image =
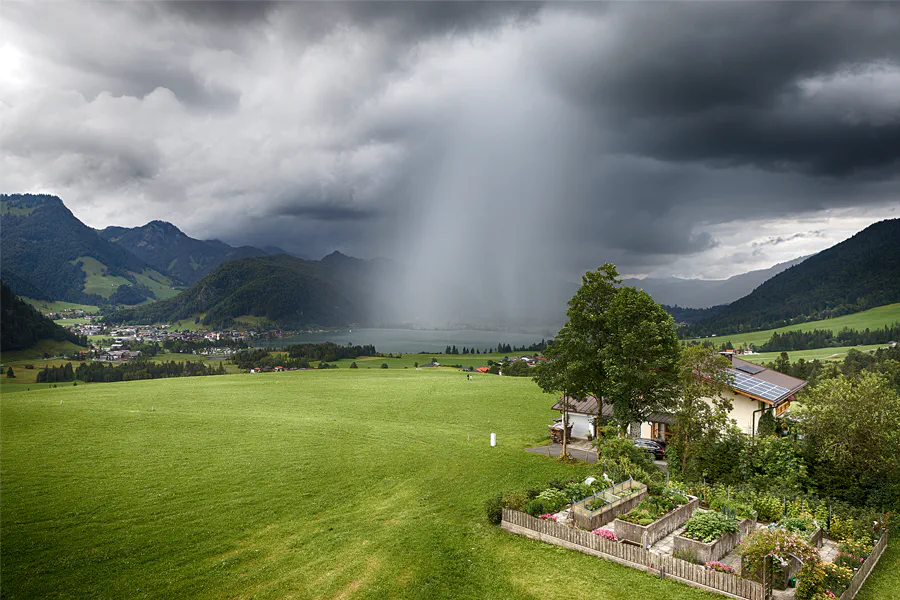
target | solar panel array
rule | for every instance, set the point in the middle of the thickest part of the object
(757, 387)
(752, 369)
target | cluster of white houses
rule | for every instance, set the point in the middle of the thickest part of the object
(753, 390)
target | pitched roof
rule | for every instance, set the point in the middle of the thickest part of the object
(761, 383)
(588, 406)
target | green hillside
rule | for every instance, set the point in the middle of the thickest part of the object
(48, 254)
(859, 273)
(873, 318)
(22, 326)
(281, 290)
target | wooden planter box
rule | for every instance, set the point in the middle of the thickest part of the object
(647, 535)
(616, 505)
(708, 552)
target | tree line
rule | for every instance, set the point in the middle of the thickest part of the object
(825, 338)
(97, 372)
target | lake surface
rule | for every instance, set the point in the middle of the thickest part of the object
(411, 341)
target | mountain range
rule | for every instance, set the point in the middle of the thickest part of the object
(859, 273)
(705, 293)
(51, 255)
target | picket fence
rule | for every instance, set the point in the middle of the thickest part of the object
(629, 555)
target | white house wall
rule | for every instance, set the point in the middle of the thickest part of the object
(581, 424)
(741, 411)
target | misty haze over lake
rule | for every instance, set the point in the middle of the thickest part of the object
(411, 341)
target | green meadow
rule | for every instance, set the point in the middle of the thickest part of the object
(874, 318)
(309, 484)
(837, 353)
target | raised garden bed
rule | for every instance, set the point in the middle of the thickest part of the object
(601, 508)
(647, 535)
(704, 552)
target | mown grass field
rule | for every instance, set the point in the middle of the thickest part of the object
(309, 484)
(818, 354)
(884, 582)
(46, 306)
(315, 484)
(874, 318)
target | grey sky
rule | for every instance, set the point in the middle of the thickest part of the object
(500, 147)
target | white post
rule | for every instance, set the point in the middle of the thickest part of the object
(493, 439)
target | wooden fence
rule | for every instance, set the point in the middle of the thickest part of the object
(631, 556)
(859, 578)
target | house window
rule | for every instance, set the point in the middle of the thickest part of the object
(660, 431)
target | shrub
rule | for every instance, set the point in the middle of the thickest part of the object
(353, 365)
(802, 524)
(709, 526)
(842, 529)
(535, 507)
(837, 578)
(810, 581)
(767, 507)
(577, 491)
(494, 509)
(553, 499)
(384, 365)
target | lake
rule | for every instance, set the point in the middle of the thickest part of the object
(412, 341)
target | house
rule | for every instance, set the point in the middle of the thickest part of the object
(483, 369)
(753, 390)
(583, 412)
(432, 364)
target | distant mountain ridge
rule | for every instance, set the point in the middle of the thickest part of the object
(49, 254)
(706, 293)
(169, 250)
(859, 273)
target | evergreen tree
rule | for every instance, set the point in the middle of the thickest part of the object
(10, 374)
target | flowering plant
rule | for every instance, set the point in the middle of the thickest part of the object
(548, 516)
(606, 533)
(720, 567)
(776, 543)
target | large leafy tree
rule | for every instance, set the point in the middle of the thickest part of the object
(851, 429)
(582, 341)
(564, 374)
(639, 358)
(701, 408)
(617, 344)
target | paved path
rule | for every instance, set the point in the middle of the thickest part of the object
(579, 452)
(589, 456)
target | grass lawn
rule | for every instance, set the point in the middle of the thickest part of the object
(308, 484)
(884, 582)
(874, 318)
(36, 352)
(46, 306)
(820, 353)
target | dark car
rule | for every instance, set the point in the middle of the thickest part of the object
(654, 447)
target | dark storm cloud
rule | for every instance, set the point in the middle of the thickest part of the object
(725, 83)
(659, 136)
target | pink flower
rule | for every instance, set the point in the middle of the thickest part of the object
(548, 516)
(606, 533)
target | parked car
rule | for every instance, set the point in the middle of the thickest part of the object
(653, 447)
